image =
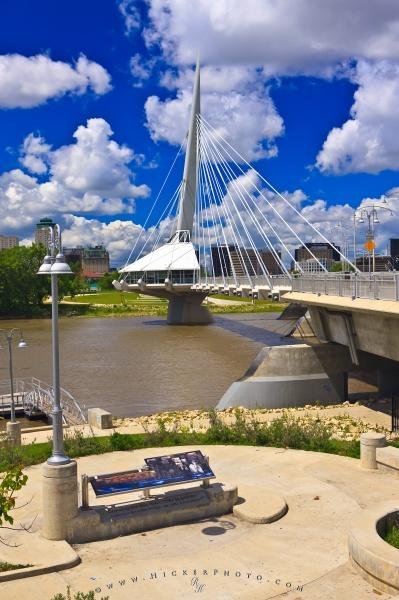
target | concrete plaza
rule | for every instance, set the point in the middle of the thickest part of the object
(302, 556)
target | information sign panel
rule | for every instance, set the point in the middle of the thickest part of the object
(162, 470)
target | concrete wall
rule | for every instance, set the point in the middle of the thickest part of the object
(172, 508)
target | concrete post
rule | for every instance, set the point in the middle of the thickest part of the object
(60, 499)
(13, 429)
(369, 442)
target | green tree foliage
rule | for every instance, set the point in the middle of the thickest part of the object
(340, 266)
(10, 482)
(21, 289)
(106, 281)
(70, 285)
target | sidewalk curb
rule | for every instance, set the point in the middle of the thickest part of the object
(42, 569)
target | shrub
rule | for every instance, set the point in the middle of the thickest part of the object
(78, 444)
(78, 596)
(392, 535)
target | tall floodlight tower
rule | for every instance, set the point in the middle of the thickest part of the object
(172, 270)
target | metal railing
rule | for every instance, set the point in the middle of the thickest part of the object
(374, 286)
(395, 413)
(33, 395)
(242, 280)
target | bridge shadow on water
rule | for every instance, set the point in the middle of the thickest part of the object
(266, 330)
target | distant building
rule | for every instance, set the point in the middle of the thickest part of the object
(93, 260)
(229, 260)
(73, 255)
(324, 255)
(382, 263)
(42, 234)
(8, 241)
(311, 265)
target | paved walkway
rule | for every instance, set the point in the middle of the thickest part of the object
(303, 556)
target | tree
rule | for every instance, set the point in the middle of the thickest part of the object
(11, 481)
(70, 285)
(21, 289)
(106, 281)
(340, 266)
(336, 267)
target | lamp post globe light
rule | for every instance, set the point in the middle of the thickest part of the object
(55, 265)
(13, 426)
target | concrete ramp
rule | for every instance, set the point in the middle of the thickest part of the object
(294, 375)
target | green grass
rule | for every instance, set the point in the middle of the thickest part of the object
(247, 307)
(392, 535)
(5, 566)
(108, 297)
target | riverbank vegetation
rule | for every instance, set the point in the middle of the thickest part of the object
(285, 431)
(133, 304)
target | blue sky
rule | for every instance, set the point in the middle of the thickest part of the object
(94, 101)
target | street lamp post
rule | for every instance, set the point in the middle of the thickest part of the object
(344, 242)
(13, 427)
(54, 265)
(371, 214)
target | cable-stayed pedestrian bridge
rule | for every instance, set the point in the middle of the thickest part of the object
(224, 229)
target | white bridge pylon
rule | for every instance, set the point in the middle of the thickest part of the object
(225, 229)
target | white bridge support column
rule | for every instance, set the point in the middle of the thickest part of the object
(187, 309)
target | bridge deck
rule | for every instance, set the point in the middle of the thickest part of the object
(388, 307)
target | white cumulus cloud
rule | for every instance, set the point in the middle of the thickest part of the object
(117, 236)
(286, 37)
(239, 108)
(34, 154)
(368, 141)
(244, 43)
(27, 81)
(91, 175)
(130, 14)
(96, 164)
(141, 69)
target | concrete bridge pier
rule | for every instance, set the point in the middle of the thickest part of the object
(187, 309)
(292, 375)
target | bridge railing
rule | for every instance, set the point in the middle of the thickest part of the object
(375, 286)
(245, 281)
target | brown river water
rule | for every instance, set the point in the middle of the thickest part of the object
(139, 366)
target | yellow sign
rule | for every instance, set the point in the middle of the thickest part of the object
(370, 245)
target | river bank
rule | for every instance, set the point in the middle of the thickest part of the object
(346, 421)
